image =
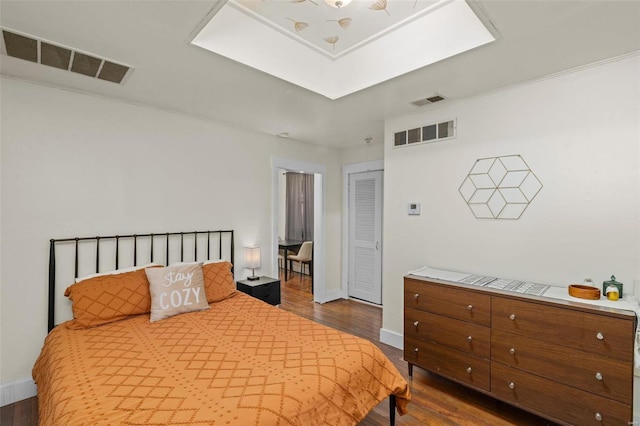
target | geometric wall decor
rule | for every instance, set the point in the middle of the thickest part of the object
(499, 187)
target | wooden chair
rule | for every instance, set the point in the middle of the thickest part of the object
(304, 256)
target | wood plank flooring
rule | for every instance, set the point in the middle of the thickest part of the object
(435, 401)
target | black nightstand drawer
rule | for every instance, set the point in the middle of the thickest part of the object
(266, 289)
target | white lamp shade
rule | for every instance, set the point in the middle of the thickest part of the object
(252, 257)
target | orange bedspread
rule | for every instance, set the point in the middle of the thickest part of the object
(242, 362)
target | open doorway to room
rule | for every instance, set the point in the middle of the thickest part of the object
(298, 225)
(296, 229)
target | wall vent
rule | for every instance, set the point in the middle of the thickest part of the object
(32, 49)
(427, 101)
(424, 134)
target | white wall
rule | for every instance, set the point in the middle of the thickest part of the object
(579, 132)
(75, 165)
(363, 153)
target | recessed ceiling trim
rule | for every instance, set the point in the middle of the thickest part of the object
(266, 21)
(276, 27)
(448, 30)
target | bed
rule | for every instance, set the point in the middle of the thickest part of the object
(233, 361)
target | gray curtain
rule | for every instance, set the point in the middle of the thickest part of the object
(299, 202)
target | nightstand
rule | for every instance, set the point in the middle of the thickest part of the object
(265, 288)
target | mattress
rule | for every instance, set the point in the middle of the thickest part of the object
(241, 362)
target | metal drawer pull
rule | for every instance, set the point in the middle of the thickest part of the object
(599, 336)
(512, 351)
(512, 317)
(512, 385)
(598, 376)
(416, 296)
(415, 323)
(469, 338)
(469, 307)
(416, 350)
(469, 370)
(599, 417)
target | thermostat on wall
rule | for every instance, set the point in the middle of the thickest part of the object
(414, 208)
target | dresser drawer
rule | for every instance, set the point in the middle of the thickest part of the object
(600, 375)
(556, 400)
(453, 364)
(456, 334)
(590, 332)
(445, 300)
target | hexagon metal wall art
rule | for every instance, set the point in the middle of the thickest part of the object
(500, 187)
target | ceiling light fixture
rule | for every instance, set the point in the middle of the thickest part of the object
(338, 3)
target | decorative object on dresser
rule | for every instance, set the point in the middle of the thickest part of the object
(584, 292)
(263, 288)
(569, 362)
(607, 286)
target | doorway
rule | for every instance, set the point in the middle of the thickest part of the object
(279, 165)
(365, 236)
(350, 268)
(295, 233)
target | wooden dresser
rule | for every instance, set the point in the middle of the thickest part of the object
(569, 362)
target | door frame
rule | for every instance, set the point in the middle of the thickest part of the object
(347, 169)
(319, 172)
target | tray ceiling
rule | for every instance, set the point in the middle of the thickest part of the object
(338, 51)
(334, 31)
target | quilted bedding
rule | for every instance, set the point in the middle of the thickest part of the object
(242, 362)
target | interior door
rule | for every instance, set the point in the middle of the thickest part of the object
(365, 236)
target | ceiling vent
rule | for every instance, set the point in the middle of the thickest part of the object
(43, 52)
(428, 101)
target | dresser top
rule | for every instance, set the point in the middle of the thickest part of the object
(523, 290)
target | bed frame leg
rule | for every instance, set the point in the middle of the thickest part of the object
(392, 410)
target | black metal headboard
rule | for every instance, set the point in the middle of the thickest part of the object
(224, 248)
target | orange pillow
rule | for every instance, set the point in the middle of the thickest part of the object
(218, 281)
(107, 298)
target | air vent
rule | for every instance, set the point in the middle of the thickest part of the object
(428, 101)
(424, 134)
(43, 52)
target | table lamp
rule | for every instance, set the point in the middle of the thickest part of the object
(252, 259)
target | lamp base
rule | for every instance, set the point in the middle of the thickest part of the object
(253, 278)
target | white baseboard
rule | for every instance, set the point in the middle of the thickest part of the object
(392, 338)
(17, 391)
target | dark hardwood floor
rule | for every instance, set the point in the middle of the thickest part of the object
(435, 401)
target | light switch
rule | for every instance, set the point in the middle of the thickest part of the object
(414, 209)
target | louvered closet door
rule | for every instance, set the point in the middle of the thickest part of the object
(365, 236)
